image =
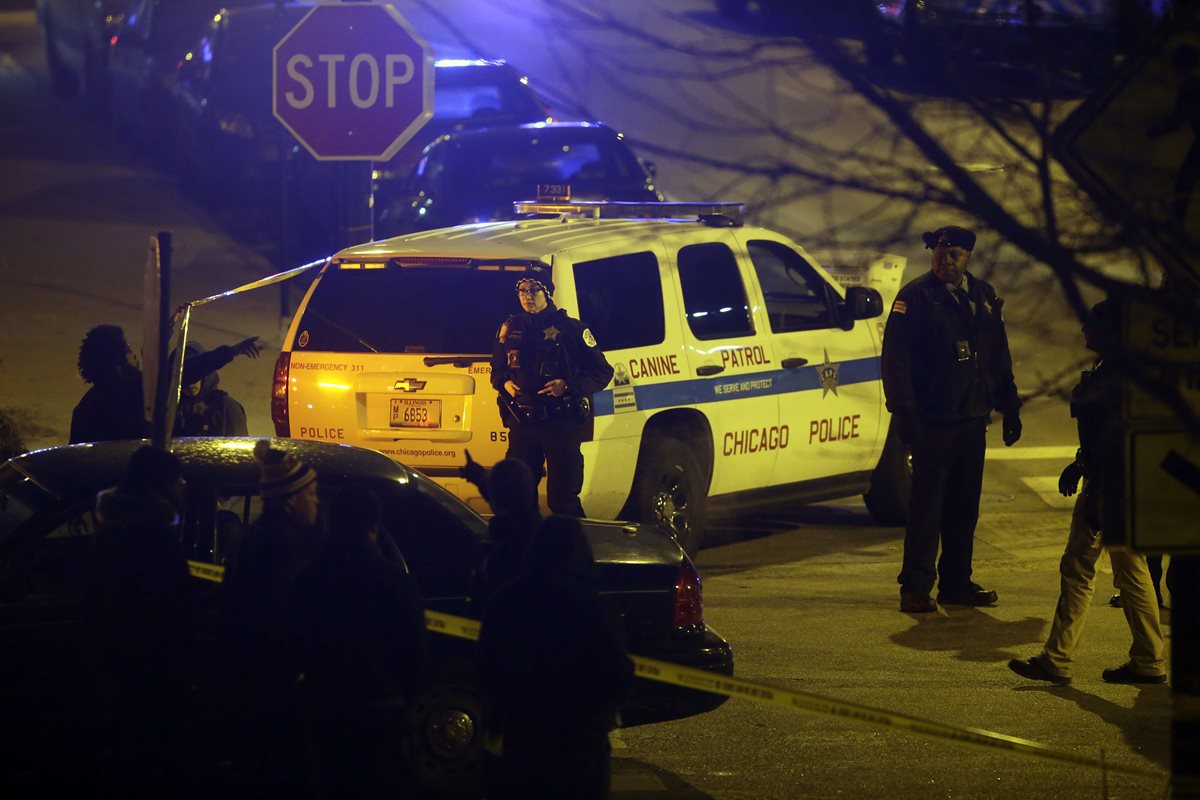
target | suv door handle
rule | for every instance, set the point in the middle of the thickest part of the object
(709, 369)
(789, 363)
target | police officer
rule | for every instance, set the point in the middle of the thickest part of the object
(946, 365)
(546, 367)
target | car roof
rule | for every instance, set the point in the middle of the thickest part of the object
(504, 134)
(520, 240)
(69, 470)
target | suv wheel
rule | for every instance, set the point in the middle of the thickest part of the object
(669, 490)
(891, 482)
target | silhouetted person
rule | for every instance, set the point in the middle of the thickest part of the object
(113, 408)
(274, 552)
(205, 410)
(360, 628)
(1096, 406)
(1184, 59)
(511, 490)
(554, 671)
(145, 619)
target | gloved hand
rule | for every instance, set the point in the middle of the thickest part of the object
(1068, 482)
(1012, 429)
(908, 426)
(475, 473)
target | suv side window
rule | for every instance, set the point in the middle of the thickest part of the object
(621, 301)
(714, 298)
(797, 299)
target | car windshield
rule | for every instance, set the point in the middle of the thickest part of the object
(20, 499)
(482, 94)
(408, 310)
(510, 167)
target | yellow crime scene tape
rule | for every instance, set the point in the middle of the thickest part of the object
(729, 686)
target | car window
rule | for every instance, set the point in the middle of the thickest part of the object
(714, 298)
(621, 301)
(521, 164)
(483, 94)
(797, 298)
(20, 499)
(436, 535)
(405, 309)
(55, 569)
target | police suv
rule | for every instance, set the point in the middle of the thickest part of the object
(745, 373)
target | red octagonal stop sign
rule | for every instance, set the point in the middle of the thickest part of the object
(352, 81)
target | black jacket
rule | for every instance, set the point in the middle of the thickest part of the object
(144, 602)
(113, 408)
(212, 412)
(531, 349)
(360, 625)
(945, 363)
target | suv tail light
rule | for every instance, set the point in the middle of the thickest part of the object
(689, 600)
(279, 396)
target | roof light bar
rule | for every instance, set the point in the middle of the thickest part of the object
(613, 209)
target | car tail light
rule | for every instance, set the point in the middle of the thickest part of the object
(279, 396)
(689, 600)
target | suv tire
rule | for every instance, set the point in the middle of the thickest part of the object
(891, 482)
(669, 490)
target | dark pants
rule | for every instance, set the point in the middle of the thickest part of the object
(947, 479)
(556, 444)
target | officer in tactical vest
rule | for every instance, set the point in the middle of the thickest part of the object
(545, 368)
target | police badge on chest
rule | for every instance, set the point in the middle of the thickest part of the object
(963, 350)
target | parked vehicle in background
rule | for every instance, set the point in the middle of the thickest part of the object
(1080, 37)
(476, 176)
(53, 732)
(227, 146)
(746, 374)
(147, 42)
(76, 35)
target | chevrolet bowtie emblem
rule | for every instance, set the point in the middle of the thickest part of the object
(409, 385)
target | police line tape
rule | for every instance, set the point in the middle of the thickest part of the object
(717, 683)
(729, 686)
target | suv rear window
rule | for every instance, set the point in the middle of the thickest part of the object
(621, 300)
(408, 310)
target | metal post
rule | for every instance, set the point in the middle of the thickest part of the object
(1185, 676)
(161, 425)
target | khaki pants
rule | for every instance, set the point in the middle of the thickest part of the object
(1078, 578)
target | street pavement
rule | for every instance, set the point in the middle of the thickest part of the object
(809, 602)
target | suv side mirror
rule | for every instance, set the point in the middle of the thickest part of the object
(862, 302)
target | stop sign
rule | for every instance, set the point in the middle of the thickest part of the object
(352, 81)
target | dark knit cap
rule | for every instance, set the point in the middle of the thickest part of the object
(153, 468)
(949, 236)
(282, 472)
(539, 275)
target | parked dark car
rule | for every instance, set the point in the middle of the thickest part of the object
(76, 34)
(46, 567)
(476, 176)
(1080, 37)
(145, 44)
(227, 146)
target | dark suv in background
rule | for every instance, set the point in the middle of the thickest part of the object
(476, 176)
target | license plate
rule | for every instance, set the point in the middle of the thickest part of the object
(409, 413)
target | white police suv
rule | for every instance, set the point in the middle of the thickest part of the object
(745, 374)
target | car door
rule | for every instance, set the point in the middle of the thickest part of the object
(46, 575)
(830, 387)
(729, 358)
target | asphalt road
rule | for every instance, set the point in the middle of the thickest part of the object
(808, 599)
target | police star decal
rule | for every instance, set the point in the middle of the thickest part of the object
(828, 373)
